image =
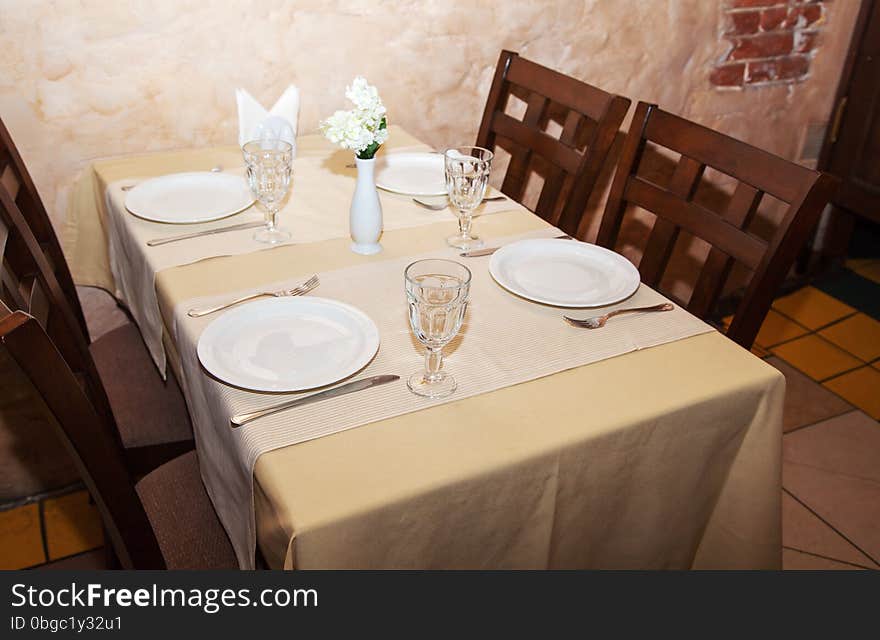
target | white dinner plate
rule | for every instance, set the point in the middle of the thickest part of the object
(564, 273)
(288, 344)
(185, 198)
(412, 174)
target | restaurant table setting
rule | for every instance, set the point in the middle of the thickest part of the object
(321, 183)
(490, 443)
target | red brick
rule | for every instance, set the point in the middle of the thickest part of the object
(743, 22)
(773, 18)
(728, 75)
(805, 41)
(765, 45)
(738, 4)
(786, 68)
(811, 13)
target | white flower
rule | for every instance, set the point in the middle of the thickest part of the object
(362, 127)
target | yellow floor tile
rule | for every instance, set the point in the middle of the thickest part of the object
(21, 544)
(812, 308)
(72, 525)
(870, 271)
(816, 357)
(777, 328)
(760, 351)
(860, 387)
(858, 263)
(858, 334)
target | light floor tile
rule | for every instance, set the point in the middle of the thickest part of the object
(777, 328)
(803, 530)
(851, 505)
(812, 308)
(860, 387)
(816, 357)
(21, 543)
(806, 401)
(848, 444)
(72, 525)
(793, 560)
(858, 334)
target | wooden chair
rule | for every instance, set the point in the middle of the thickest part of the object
(166, 520)
(805, 193)
(590, 120)
(14, 177)
(116, 370)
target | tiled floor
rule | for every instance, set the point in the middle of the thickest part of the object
(826, 341)
(50, 529)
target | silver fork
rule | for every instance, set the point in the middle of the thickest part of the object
(599, 321)
(440, 207)
(304, 288)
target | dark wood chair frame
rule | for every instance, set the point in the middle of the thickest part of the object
(84, 431)
(590, 114)
(29, 203)
(806, 192)
(28, 283)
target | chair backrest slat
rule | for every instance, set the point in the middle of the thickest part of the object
(558, 87)
(97, 456)
(749, 164)
(570, 164)
(803, 191)
(740, 211)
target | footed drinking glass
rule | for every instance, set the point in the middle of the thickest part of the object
(437, 293)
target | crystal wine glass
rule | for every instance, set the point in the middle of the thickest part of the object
(467, 175)
(269, 167)
(437, 293)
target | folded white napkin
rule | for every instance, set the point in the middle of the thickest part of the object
(279, 122)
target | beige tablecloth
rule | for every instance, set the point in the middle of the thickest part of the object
(504, 341)
(665, 457)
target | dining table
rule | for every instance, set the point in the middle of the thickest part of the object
(651, 443)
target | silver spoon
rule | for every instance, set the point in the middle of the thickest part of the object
(599, 321)
(440, 207)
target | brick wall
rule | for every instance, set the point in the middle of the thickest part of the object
(770, 41)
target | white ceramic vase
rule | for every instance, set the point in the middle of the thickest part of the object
(365, 215)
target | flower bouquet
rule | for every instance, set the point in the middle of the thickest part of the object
(363, 130)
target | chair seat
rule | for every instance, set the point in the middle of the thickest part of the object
(148, 410)
(189, 533)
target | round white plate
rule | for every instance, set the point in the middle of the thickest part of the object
(564, 273)
(288, 344)
(412, 174)
(185, 198)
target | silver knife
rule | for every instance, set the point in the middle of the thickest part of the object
(488, 251)
(350, 387)
(209, 232)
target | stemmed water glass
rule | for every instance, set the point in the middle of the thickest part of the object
(269, 167)
(437, 293)
(467, 175)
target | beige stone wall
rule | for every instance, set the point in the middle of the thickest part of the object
(81, 80)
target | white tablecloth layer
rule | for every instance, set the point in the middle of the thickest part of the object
(316, 210)
(505, 341)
